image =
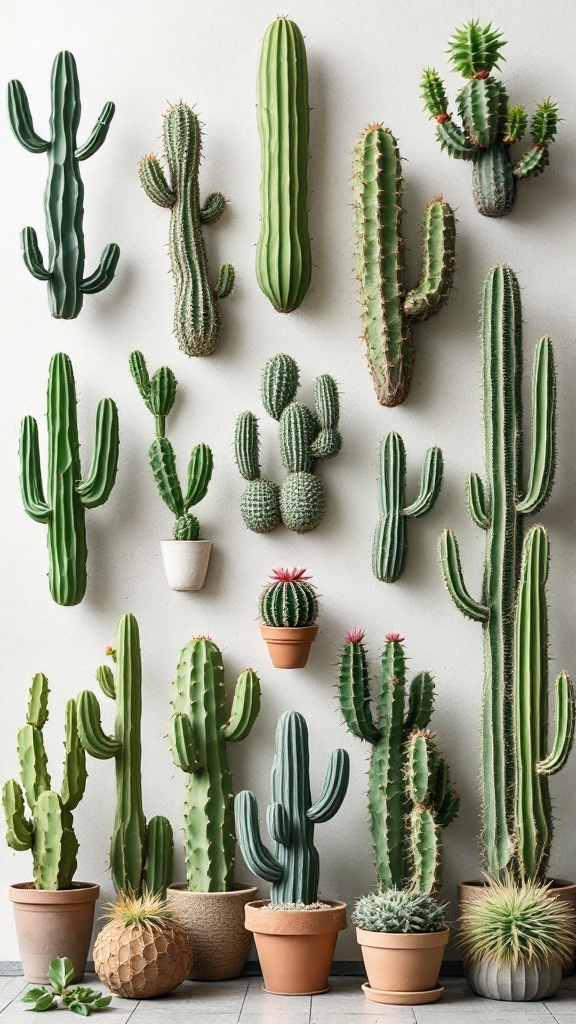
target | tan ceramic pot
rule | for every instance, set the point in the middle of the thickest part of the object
(215, 923)
(53, 923)
(295, 947)
(398, 962)
(289, 647)
(139, 962)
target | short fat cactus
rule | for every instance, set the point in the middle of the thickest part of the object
(290, 600)
(490, 125)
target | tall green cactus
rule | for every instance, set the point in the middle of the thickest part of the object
(49, 832)
(390, 546)
(305, 436)
(64, 195)
(199, 729)
(68, 495)
(197, 322)
(140, 853)
(490, 126)
(498, 507)
(294, 869)
(283, 257)
(388, 309)
(410, 797)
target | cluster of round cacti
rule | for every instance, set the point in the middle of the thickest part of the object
(290, 600)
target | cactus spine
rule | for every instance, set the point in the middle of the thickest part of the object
(64, 194)
(200, 727)
(294, 869)
(68, 495)
(283, 257)
(197, 322)
(140, 853)
(388, 310)
(290, 600)
(410, 797)
(390, 546)
(49, 832)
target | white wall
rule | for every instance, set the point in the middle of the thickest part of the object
(365, 59)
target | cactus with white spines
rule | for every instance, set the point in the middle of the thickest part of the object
(290, 600)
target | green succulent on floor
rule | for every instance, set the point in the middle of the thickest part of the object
(159, 392)
(490, 125)
(290, 600)
(305, 437)
(197, 322)
(80, 1000)
(400, 910)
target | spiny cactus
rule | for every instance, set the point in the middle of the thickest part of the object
(294, 869)
(490, 126)
(49, 832)
(305, 436)
(400, 910)
(283, 257)
(197, 315)
(290, 600)
(159, 393)
(200, 727)
(68, 495)
(410, 797)
(64, 194)
(390, 546)
(498, 507)
(140, 854)
(388, 309)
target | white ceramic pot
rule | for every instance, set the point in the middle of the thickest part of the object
(185, 563)
(517, 984)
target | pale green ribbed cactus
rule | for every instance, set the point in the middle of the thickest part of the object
(290, 600)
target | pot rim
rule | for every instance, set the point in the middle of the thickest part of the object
(238, 890)
(80, 892)
(403, 940)
(173, 540)
(331, 918)
(288, 632)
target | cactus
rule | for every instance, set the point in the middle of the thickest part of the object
(197, 322)
(294, 869)
(49, 832)
(388, 310)
(283, 257)
(64, 195)
(390, 546)
(410, 797)
(200, 727)
(498, 506)
(490, 126)
(68, 495)
(159, 393)
(140, 853)
(305, 436)
(290, 600)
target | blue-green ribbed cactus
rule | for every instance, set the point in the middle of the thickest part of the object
(290, 600)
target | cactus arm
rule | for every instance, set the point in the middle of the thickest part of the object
(21, 119)
(199, 474)
(225, 281)
(542, 460)
(438, 262)
(96, 488)
(104, 273)
(159, 860)
(98, 134)
(184, 753)
(32, 255)
(33, 763)
(477, 502)
(455, 142)
(334, 789)
(245, 707)
(424, 848)
(258, 858)
(31, 473)
(543, 128)
(354, 691)
(430, 484)
(105, 678)
(280, 382)
(19, 830)
(452, 573)
(247, 446)
(75, 775)
(93, 738)
(278, 824)
(141, 377)
(213, 208)
(390, 543)
(37, 713)
(153, 181)
(163, 463)
(564, 735)
(420, 702)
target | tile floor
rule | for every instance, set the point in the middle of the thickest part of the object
(244, 1002)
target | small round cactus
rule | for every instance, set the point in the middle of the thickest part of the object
(290, 600)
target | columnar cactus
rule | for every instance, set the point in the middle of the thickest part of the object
(388, 309)
(305, 436)
(68, 495)
(410, 796)
(490, 126)
(294, 868)
(159, 393)
(64, 195)
(390, 546)
(49, 832)
(498, 507)
(283, 257)
(200, 727)
(290, 600)
(196, 315)
(140, 854)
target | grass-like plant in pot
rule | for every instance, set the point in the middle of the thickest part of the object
(289, 609)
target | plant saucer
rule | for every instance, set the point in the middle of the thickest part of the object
(376, 995)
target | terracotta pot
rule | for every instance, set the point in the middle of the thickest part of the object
(53, 923)
(138, 962)
(215, 924)
(186, 563)
(520, 984)
(403, 962)
(289, 647)
(295, 947)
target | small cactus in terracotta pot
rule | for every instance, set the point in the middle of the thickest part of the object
(289, 609)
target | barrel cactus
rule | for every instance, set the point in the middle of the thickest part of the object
(290, 600)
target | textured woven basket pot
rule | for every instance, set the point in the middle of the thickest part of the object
(289, 646)
(136, 962)
(523, 983)
(215, 924)
(52, 923)
(403, 962)
(185, 563)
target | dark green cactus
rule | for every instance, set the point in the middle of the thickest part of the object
(200, 727)
(140, 853)
(290, 600)
(294, 869)
(390, 546)
(490, 126)
(197, 322)
(64, 195)
(49, 832)
(68, 495)
(410, 797)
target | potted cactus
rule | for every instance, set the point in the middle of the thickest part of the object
(295, 933)
(289, 608)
